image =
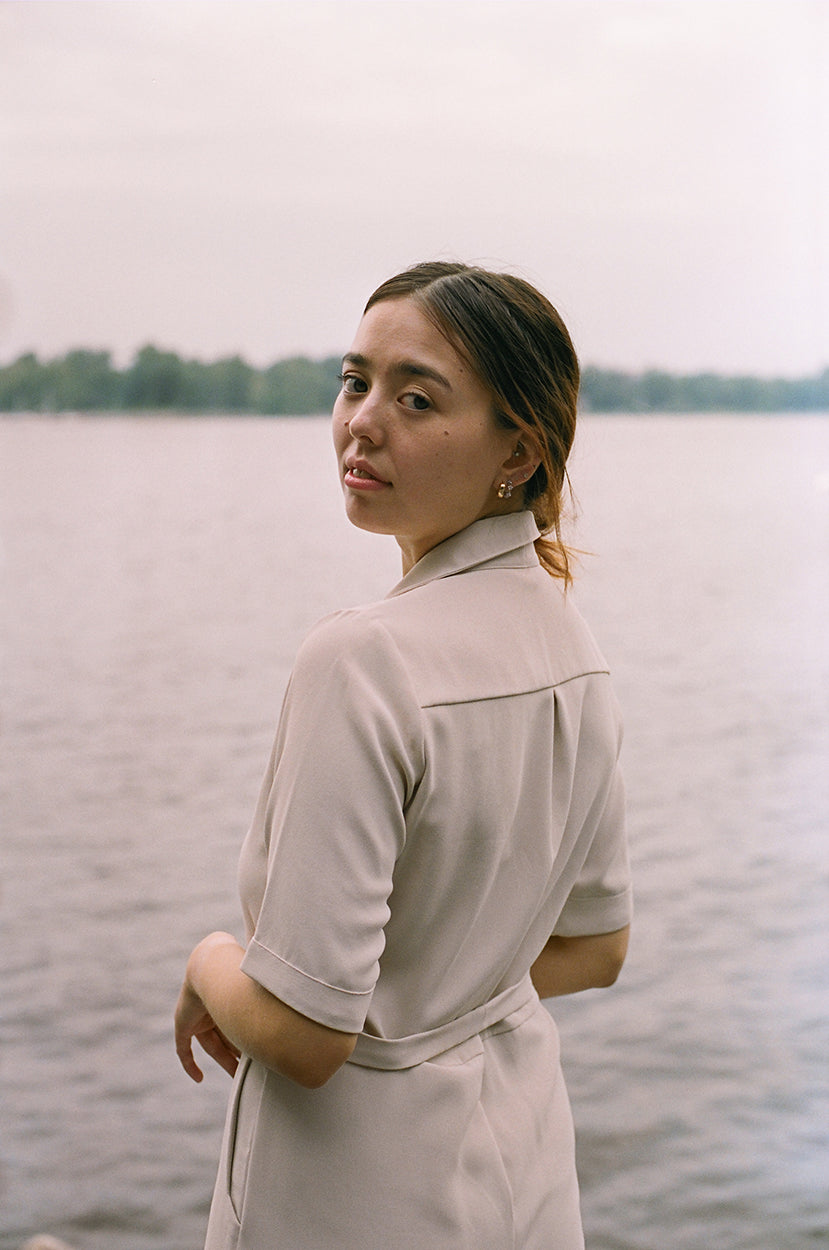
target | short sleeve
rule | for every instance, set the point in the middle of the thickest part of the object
(601, 898)
(601, 901)
(347, 758)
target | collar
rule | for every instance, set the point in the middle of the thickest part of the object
(494, 541)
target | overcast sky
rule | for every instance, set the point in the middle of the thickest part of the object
(222, 177)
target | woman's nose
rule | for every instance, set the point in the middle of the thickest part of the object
(367, 423)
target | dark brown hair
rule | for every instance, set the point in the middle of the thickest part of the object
(521, 351)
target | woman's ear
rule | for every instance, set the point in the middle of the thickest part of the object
(522, 462)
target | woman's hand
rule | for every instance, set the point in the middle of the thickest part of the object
(192, 1019)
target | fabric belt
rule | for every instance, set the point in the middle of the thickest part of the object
(396, 1053)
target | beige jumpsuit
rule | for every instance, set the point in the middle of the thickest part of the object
(443, 795)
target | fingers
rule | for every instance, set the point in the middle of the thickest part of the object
(188, 1009)
(184, 1051)
(220, 1050)
(212, 1043)
(234, 1050)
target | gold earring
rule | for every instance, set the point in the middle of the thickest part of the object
(505, 489)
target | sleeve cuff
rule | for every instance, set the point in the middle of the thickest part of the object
(326, 1004)
(582, 917)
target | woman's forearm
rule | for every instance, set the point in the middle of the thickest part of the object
(569, 964)
(254, 1021)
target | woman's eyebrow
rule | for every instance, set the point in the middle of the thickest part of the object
(412, 369)
(407, 368)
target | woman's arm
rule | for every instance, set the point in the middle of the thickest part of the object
(569, 964)
(228, 1013)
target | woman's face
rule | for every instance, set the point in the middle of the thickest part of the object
(419, 452)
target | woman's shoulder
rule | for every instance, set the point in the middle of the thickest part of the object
(476, 636)
(346, 626)
(348, 640)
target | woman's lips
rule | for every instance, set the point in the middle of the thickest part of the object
(360, 477)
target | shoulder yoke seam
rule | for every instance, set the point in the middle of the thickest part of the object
(518, 694)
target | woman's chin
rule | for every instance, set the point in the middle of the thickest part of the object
(363, 517)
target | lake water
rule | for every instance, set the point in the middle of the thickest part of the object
(157, 576)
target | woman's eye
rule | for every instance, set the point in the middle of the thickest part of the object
(416, 401)
(353, 385)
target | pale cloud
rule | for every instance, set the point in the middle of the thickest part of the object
(237, 176)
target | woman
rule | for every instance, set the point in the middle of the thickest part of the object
(439, 839)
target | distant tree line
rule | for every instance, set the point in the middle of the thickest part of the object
(156, 380)
(609, 390)
(87, 381)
